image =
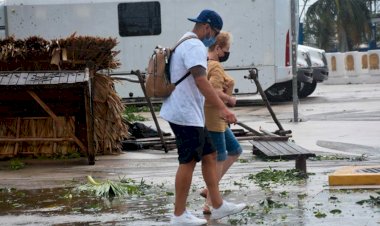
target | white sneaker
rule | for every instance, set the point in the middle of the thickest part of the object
(187, 219)
(226, 209)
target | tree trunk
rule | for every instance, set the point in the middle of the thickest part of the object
(342, 41)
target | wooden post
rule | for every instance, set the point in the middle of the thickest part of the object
(301, 163)
(89, 123)
(55, 136)
(142, 82)
(253, 73)
(18, 122)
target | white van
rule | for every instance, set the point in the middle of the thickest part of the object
(261, 31)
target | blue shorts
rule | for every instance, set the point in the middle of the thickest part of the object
(225, 142)
(192, 142)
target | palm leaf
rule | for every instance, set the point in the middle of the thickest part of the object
(109, 188)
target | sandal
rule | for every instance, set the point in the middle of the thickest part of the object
(206, 209)
(203, 193)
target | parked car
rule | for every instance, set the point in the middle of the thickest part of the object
(320, 70)
(304, 66)
(311, 69)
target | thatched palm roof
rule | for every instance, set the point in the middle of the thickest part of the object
(73, 53)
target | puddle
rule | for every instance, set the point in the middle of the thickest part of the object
(64, 206)
(280, 205)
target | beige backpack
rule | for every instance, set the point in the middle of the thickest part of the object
(158, 82)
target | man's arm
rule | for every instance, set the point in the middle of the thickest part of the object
(209, 93)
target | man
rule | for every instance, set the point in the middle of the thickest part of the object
(184, 110)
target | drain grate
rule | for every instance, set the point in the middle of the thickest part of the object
(369, 170)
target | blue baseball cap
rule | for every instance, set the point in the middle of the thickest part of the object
(209, 16)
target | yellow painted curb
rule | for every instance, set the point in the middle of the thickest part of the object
(354, 175)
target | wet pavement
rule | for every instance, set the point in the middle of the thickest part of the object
(340, 123)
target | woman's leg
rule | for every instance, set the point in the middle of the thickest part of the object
(234, 150)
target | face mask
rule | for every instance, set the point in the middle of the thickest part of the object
(208, 41)
(225, 57)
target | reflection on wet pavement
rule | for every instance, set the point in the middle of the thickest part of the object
(276, 205)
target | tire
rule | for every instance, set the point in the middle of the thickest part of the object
(305, 89)
(280, 92)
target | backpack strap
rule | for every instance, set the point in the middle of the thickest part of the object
(173, 49)
(182, 78)
(182, 40)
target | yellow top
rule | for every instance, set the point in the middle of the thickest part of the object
(218, 79)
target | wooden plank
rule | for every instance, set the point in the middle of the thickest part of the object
(154, 139)
(274, 148)
(299, 150)
(291, 149)
(18, 123)
(240, 138)
(55, 136)
(248, 128)
(239, 132)
(262, 138)
(263, 149)
(270, 149)
(281, 149)
(149, 142)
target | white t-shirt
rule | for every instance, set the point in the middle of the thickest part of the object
(185, 106)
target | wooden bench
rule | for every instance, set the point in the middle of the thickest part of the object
(285, 149)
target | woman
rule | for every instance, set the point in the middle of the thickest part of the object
(227, 146)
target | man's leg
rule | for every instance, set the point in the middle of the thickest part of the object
(211, 178)
(182, 186)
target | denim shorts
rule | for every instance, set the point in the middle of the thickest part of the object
(192, 142)
(225, 143)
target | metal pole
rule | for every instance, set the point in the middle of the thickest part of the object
(253, 75)
(142, 82)
(294, 59)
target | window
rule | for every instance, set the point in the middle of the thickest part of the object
(139, 18)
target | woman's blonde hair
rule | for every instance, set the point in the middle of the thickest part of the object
(222, 40)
